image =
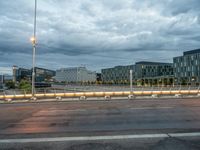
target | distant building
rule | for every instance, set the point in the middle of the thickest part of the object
(118, 74)
(98, 77)
(26, 74)
(187, 68)
(14, 69)
(153, 73)
(7, 77)
(144, 73)
(1, 81)
(43, 74)
(21, 74)
(75, 74)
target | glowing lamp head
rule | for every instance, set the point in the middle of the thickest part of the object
(33, 40)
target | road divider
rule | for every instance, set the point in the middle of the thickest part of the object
(106, 95)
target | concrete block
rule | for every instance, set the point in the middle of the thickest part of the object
(33, 98)
(177, 95)
(107, 97)
(154, 96)
(131, 96)
(83, 98)
(58, 98)
(8, 100)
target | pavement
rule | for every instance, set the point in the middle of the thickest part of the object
(102, 125)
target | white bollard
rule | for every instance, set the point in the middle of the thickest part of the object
(107, 97)
(154, 96)
(83, 98)
(9, 100)
(177, 95)
(131, 97)
(33, 98)
(58, 98)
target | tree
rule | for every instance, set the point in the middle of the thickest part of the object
(10, 85)
(25, 85)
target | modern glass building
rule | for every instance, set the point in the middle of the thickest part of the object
(42, 74)
(21, 74)
(153, 73)
(117, 75)
(187, 68)
(144, 73)
(1, 81)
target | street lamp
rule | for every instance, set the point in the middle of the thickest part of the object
(33, 40)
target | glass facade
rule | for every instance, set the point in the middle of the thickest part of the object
(187, 68)
(26, 74)
(141, 71)
(118, 74)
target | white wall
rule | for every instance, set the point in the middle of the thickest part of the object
(75, 74)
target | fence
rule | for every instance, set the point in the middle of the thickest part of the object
(99, 91)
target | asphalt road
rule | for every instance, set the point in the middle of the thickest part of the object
(102, 125)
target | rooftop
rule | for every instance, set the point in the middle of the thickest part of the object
(115, 67)
(191, 52)
(152, 63)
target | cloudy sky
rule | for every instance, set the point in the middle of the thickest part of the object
(97, 33)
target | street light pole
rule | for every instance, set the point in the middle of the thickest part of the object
(2, 79)
(131, 81)
(33, 40)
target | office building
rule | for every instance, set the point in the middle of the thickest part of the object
(7, 77)
(153, 73)
(43, 74)
(75, 74)
(117, 75)
(187, 68)
(144, 73)
(98, 77)
(1, 81)
(21, 74)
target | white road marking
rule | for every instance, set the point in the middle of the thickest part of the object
(96, 138)
(61, 110)
(142, 108)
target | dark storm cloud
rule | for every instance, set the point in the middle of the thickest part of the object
(99, 33)
(184, 6)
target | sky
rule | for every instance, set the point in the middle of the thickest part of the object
(96, 33)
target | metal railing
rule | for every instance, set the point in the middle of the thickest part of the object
(99, 91)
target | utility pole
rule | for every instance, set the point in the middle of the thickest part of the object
(2, 79)
(33, 40)
(131, 81)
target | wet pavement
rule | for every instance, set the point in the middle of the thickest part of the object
(99, 118)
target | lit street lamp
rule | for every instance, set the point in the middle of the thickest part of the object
(33, 40)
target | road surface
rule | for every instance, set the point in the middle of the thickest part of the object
(110, 125)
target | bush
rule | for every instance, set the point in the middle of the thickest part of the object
(10, 85)
(25, 85)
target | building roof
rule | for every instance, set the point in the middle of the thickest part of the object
(152, 63)
(115, 67)
(72, 68)
(44, 69)
(191, 52)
